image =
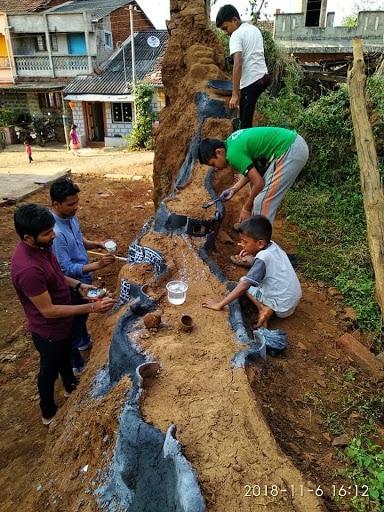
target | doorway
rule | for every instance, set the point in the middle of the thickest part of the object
(95, 123)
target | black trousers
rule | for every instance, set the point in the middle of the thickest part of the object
(55, 360)
(248, 98)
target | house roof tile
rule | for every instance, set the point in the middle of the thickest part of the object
(98, 8)
(115, 76)
(10, 6)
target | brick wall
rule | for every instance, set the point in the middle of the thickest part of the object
(268, 25)
(115, 129)
(120, 24)
(13, 100)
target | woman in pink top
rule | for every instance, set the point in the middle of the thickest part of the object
(74, 140)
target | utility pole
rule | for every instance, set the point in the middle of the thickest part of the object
(131, 9)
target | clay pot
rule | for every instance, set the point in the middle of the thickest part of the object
(186, 323)
(152, 320)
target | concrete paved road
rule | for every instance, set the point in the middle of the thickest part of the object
(19, 178)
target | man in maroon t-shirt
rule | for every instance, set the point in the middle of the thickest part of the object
(44, 293)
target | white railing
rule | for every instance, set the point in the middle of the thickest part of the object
(65, 65)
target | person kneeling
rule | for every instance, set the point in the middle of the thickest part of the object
(271, 284)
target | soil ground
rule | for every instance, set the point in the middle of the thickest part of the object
(286, 388)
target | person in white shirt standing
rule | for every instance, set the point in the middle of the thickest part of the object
(250, 73)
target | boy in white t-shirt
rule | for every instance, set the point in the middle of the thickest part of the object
(250, 74)
(271, 284)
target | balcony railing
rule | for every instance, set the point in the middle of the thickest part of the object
(65, 65)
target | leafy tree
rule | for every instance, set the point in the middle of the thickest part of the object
(142, 130)
(362, 5)
(255, 6)
(349, 21)
(8, 116)
(256, 9)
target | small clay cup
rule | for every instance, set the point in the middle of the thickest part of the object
(186, 323)
(152, 320)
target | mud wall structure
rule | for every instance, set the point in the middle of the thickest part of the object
(194, 56)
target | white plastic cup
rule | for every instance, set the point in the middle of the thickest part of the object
(177, 291)
(111, 246)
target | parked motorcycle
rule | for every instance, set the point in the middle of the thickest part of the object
(45, 129)
(23, 134)
(24, 129)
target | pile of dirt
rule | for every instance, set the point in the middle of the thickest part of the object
(249, 433)
(42, 468)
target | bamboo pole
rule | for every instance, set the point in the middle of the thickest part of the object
(371, 183)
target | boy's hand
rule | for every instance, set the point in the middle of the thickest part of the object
(244, 215)
(243, 253)
(106, 260)
(234, 102)
(227, 194)
(245, 258)
(212, 304)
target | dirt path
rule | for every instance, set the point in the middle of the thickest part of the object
(222, 425)
(56, 157)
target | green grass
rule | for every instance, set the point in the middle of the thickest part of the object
(324, 210)
(367, 473)
(332, 241)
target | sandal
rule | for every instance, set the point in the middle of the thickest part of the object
(240, 262)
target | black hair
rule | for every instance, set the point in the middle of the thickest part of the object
(226, 13)
(73, 127)
(207, 149)
(62, 188)
(257, 227)
(32, 219)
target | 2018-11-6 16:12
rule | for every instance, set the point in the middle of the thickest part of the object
(299, 490)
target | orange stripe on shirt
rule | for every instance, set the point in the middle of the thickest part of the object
(274, 185)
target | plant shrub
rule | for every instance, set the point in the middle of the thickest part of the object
(326, 124)
(367, 473)
(8, 116)
(141, 135)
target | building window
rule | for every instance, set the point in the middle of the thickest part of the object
(41, 44)
(122, 112)
(51, 100)
(108, 39)
(54, 45)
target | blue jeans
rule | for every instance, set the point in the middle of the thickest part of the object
(80, 337)
(55, 360)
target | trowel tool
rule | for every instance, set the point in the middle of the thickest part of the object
(211, 203)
